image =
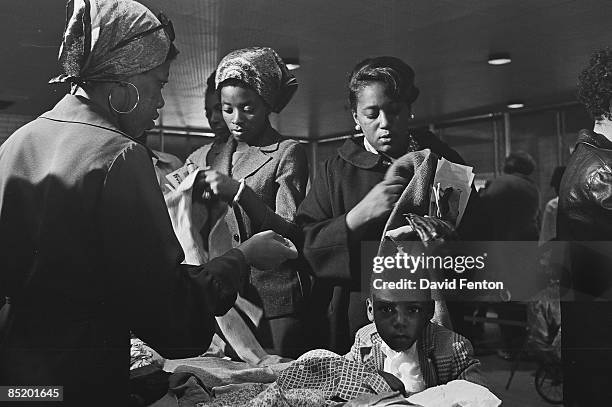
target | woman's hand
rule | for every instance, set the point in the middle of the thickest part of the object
(377, 203)
(221, 185)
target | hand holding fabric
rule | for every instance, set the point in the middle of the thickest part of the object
(221, 185)
(267, 249)
(376, 204)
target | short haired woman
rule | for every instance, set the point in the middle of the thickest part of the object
(349, 201)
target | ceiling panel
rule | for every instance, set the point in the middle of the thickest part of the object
(446, 41)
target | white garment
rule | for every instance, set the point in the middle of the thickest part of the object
(371, 149)
(368, 146)
(405, 366)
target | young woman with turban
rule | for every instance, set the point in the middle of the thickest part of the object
(349, 202)
(263, 177)
(86, 244)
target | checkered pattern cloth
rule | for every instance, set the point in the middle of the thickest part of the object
(339, 379)
(444, 355)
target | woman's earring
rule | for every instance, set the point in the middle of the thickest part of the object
(357, 127)
(411, 116)
(110, 100)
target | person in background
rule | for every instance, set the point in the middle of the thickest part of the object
(86, 244)
(512, 204)
(263, 177)
(349, 202)
(513, 200)
(584, 220)
(548, 230)
(214, 115)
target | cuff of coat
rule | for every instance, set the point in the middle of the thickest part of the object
(226, 286)
(244, 267)
(261, 216)
(331, 259)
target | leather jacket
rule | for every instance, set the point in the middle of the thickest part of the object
(585, 196)
(585, 215)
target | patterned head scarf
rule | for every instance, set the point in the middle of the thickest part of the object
(97, 43)
(263, 70)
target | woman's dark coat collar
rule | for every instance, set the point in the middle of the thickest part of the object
(353, 152)
(79, 109)
(594, 139)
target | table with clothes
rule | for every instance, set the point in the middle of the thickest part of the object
(437, 369)
(317, 378)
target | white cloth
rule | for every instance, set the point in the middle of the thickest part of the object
(457, 393)
(405, 366)
(187, 223)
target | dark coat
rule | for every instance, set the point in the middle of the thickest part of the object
(584, 220)
(87, 253)
(275, 175)
(329, 247)
(512, 202)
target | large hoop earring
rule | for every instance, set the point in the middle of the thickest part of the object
(110, 101)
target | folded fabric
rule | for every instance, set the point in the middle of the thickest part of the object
(338, 378)
(380, 400)
(215, 372)
(142, 355)
(417, 171)
(187, 223)
(234, 394)
(456, 393)
(275, 396)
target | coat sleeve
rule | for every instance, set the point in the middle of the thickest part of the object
(168, 305)
(464, 365)
(325, 242)
(291, 178)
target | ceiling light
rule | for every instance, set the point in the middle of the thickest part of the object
(499, 59)
(515, 105)
(292, 63)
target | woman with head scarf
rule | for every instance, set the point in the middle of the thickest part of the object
(86, 244)
(350, 201)
(263, 177)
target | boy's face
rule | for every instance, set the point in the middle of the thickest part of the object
(399, 323)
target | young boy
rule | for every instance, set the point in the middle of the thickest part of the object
(402, 341)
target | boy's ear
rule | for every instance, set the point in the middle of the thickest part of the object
(370, 309)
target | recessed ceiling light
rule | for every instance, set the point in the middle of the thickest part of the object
(292, 63)
(499, 59)
(515, 105)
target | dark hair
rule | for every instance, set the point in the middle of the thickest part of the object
(555, 179)
(595, 85)
(172, 53)
(211, 86)
(519, 162)
(397, 76)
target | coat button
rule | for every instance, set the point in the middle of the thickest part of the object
(236, 237)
